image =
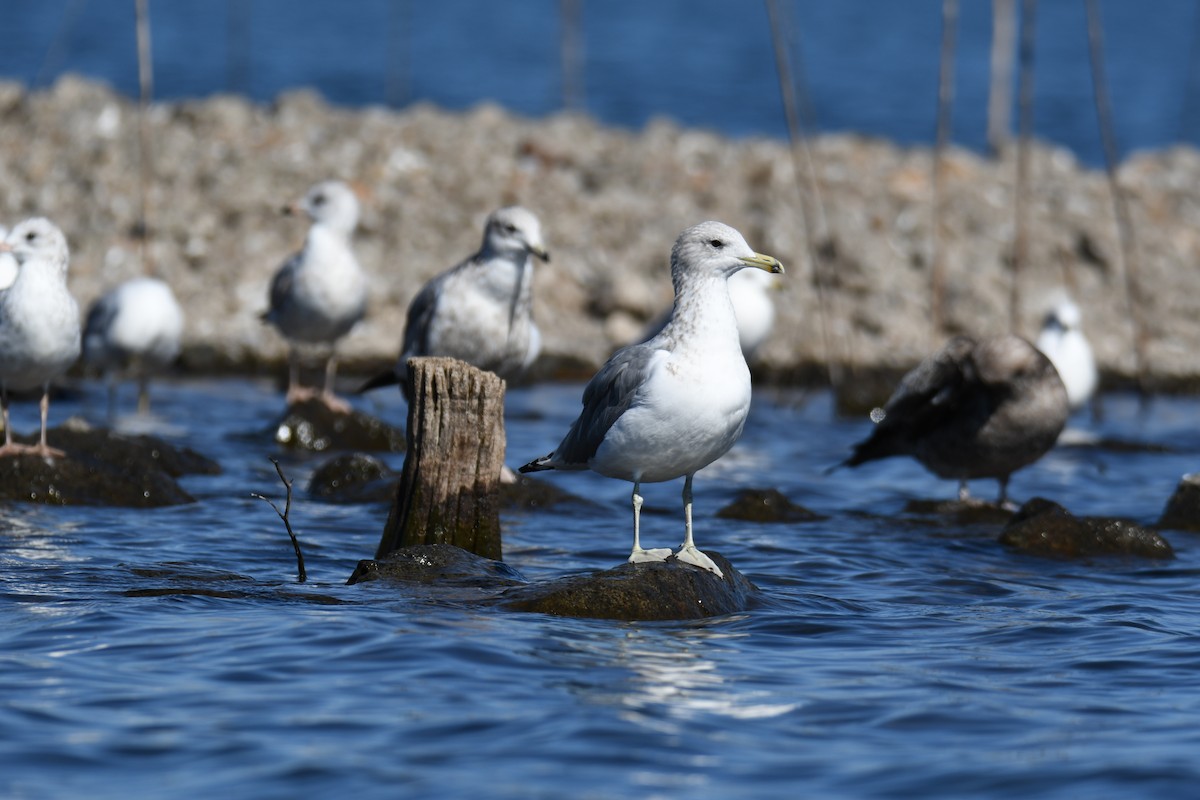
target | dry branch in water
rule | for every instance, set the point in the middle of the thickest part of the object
(283, 515)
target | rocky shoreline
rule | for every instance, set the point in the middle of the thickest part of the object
(611, 203)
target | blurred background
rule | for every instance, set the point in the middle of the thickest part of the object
(869, 66)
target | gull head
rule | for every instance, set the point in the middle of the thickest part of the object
(329, 203)
(516, 230)
(714, 248)
(38, 239)
(1063, 315)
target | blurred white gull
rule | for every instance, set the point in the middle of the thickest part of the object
(320, 293)
(135, 327)
(8, 263)
(1063, 342)
(480, 311)
(671, 406)
(39, 323)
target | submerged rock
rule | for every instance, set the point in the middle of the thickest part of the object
(766, 505)
(437, 563)
(1044, 528)
(354, 478)
(102, 468)
(1183, 509)
(312, 425)
(972, 511)
(526, 494)
(664, 590)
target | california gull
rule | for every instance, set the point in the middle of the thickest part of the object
(136, 327)
(480, 311)
(1063, 342)
(39, 323)
(320, 293)
(671, 406)
(974, 409)
(750, 290)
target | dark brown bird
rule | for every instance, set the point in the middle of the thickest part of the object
(974, 409)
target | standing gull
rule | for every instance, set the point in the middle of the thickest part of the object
(39, 323)
(136, 327)
(1063, 342)
(974, 409)
(320, 293)
(672, 405)
(480, 311)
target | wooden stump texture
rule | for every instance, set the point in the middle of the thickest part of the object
(449, 488)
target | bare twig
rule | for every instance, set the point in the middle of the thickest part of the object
(1125, 230)
(145, 165)
(805, 179)
(1021, 185)
(945, 103)
(283, 515)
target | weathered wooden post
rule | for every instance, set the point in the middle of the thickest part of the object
(449, 487)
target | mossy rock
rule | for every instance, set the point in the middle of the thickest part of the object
(354, 478)
(313, 426)
(766, 505)
(102, 468)
(436, 563)
(1183, 509)
(661, 590)
(1045, 528)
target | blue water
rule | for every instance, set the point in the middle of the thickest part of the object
(893, 655)
(870, 65)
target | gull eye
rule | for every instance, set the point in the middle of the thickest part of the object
(31, 236)
(510, 228)
(717, 243)
(319, 200)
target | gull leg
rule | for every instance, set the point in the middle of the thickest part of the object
(964, 493)
(640, 555)
(295, 392)
(110, 384)
(688, 553)
(334, 402)
(143, 394)
(44, 449)
(1003, 500)
(9, 448)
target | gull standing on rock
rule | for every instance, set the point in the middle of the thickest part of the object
(137, 326)
(671, 406)
(1063, 342)
(974, 409)
(39, 323)
(480, 311)
(320, 293)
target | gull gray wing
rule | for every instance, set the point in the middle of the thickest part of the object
(607, 396)
(281, 285)
(420, 318)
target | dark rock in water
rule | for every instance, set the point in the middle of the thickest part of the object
(354, 478)
(437, 563)
(666, 590)
(527, 494)
(1044, 528)
(972, 511)
(1183, 509)
(312, 425)
(102, 468)
(766, 505)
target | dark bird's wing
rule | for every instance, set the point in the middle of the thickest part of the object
(281, 286)
(927, 398)
(607, 396)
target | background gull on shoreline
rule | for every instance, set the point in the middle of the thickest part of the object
(480, 311)
(320, 293)
(39, 323)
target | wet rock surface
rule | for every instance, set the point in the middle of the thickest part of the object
(1044, 528)
(1183, 508)
(766, 505)
(667, 590)
(972, 511)
(529, 494)
(102, 468)
(354, 478)
(437, 564)
(311, 425)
